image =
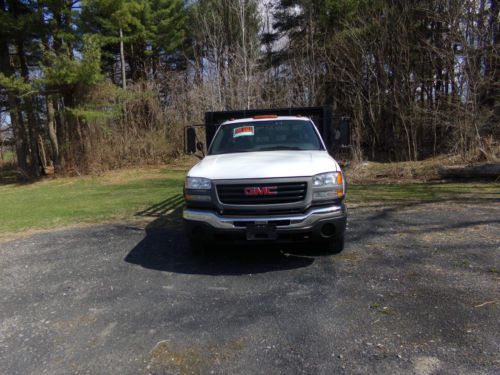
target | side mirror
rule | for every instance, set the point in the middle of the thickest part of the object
(190, 144)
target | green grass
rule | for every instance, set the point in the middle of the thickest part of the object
(69, 201)
(121, 195)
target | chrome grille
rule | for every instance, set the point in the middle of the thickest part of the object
(282, 192)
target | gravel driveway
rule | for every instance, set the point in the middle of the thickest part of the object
(415, 291)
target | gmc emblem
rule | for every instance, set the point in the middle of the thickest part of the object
(266, 190)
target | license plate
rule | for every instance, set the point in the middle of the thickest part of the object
(257, 232)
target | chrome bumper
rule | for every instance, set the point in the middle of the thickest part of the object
(299, 221)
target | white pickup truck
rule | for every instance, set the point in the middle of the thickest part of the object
(266, 178)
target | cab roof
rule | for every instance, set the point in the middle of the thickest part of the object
(277, 118)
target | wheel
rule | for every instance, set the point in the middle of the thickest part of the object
(335, 245)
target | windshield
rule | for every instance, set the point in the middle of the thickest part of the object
(271, 135)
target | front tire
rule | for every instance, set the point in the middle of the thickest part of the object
(335, 245)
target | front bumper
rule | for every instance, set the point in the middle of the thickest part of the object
(309, 225)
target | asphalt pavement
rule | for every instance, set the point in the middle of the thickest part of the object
(415, 291)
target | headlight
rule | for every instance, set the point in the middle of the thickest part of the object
(328, 186)
(198, 183)
(328, 179)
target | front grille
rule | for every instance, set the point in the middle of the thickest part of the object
(286, 192)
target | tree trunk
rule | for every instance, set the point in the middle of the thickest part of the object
(52, 132)
(122, 61)
(16, 120)
(19, 133)
(32, 124)
(15, 113)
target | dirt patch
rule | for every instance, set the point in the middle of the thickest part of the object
(426, 365)
(410, 171)
(166, 358)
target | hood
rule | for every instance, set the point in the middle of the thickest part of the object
(264, 164)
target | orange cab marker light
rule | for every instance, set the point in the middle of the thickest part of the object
(264, 116)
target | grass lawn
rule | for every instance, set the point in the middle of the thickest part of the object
(128, 194)
(67, 201)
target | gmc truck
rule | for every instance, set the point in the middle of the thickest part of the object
(265, 178)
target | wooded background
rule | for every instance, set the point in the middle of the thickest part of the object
(97, 84)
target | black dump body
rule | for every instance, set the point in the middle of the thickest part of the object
(334, 130)
(335, 133)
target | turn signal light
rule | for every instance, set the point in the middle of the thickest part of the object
(339, 178)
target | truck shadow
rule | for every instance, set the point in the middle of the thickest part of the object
(168, 250)
(169, 207)
(165, 248)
